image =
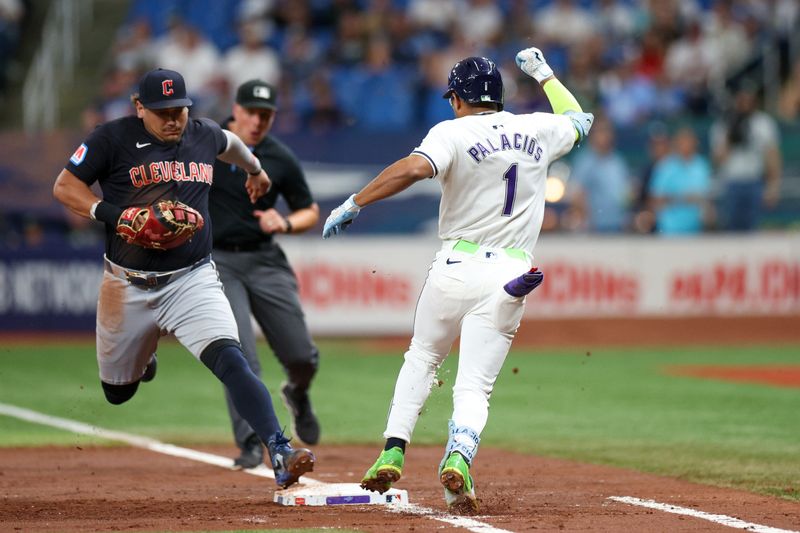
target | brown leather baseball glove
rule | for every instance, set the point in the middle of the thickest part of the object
(162, 226)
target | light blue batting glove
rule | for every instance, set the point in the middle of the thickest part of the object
(582, 122)
(531, 61)
(341, 217)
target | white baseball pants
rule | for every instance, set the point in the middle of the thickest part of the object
(464, 295)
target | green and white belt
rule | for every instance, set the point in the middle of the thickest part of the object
(470, 247)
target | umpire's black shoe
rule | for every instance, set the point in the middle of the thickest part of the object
(252, 454)
(150, 369)
(305, 425)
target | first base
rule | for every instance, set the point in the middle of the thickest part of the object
(338, 494)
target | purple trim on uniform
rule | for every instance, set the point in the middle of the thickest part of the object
(346, 500)
(426, 156)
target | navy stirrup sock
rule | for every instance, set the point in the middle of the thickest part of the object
(249, 395)
(394, 442)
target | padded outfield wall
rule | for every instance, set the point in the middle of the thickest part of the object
(369, 286)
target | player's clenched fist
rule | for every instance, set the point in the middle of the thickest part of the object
(341, 217)
(531, 61)
(161, 226)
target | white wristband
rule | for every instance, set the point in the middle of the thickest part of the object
(93, 208)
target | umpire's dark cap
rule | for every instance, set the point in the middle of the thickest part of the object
(161, 88)
(257, 93)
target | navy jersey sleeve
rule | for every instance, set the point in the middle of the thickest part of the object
(296, 190)
(219, 136)
(92, 160)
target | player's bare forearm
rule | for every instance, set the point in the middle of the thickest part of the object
(74, 194)
(395, 178)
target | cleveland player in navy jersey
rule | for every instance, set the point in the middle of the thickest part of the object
(138, 161)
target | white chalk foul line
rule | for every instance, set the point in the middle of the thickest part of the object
(128, 438)
(176, 451)
(458, 521)
(717, 518)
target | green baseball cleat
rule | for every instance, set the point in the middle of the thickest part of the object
(459, 489)
(386, 470)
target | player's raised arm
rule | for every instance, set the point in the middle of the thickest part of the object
(395, 178)
(532, 62)
(238, 154)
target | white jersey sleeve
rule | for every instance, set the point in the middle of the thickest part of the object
(437, 147)
(557, 132)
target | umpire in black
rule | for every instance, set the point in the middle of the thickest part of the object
(253, 268)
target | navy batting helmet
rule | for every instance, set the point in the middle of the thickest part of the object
(476, 80)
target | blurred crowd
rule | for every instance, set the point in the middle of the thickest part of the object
(12, 13)
(382, 64)
(678, 190)
(653, 67)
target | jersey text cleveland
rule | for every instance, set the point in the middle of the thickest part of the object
(164, 171)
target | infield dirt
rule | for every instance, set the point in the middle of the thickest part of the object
(128, 489)
(61, 489)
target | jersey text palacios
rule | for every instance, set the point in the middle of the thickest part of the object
(164, 171)
(516, 141)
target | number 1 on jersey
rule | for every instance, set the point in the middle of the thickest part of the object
(510, 177)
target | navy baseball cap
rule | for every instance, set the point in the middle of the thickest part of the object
(257, 93)
(161, 88)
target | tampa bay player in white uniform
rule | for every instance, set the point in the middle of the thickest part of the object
(492, 167)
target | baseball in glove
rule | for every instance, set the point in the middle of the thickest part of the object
(161, 226)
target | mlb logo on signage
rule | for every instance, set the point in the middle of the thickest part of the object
(79, 155)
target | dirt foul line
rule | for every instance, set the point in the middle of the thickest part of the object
(717, 518)
(154, 445)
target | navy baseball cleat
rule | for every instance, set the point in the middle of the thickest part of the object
(150, 369)
(288, 463)
(525, 283)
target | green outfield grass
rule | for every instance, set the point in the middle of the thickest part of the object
(610, 406)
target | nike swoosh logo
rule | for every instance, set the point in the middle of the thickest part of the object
(449, 262)
(142, 145)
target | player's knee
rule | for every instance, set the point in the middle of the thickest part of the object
(119, 394)
(420, 354)
(224, 357)
(301, 374)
